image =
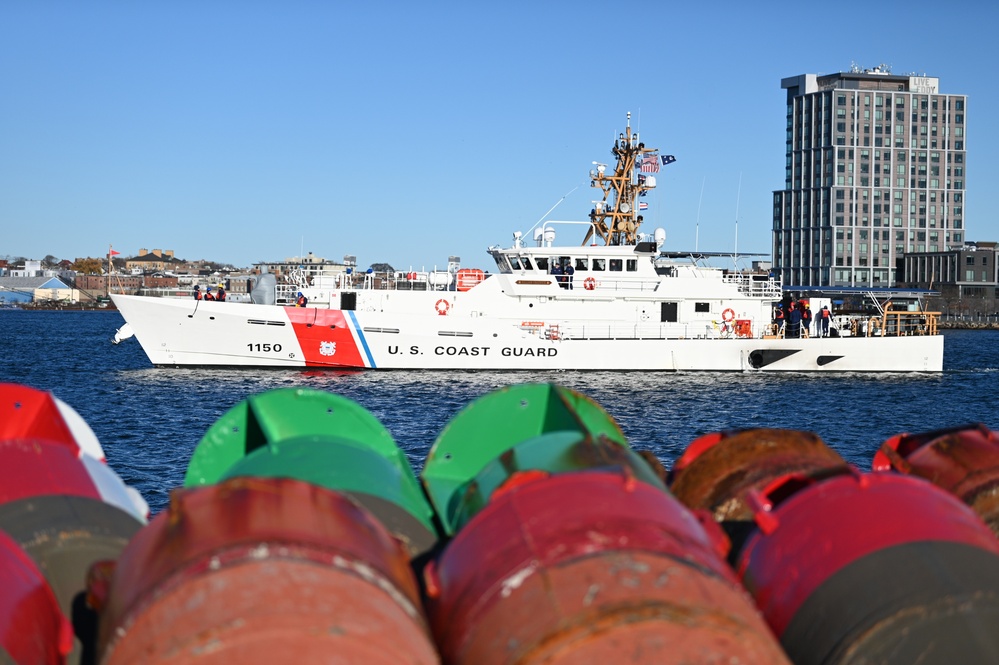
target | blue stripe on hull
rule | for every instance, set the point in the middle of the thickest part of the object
(360, 336)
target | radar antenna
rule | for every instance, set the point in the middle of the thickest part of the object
(615, 219)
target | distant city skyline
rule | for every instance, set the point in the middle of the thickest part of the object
(404, 134)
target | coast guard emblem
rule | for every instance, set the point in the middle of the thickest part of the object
(327, 348)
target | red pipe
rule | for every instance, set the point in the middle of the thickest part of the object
(590, 566)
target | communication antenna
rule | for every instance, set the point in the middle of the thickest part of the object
(697, 225)
(737, 197)
(557, 204)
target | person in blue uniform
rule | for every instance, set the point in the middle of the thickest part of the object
(794, 320)
(197, 292)
(208, 293)
(302, 300)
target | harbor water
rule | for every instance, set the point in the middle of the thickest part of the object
(150, 419)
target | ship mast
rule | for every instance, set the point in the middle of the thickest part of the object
(616, 218)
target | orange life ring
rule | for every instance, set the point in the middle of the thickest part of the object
(728, 314)
(589, 283)
(442, 307)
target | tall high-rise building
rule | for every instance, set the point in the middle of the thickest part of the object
(875, 169)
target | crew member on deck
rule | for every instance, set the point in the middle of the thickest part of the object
(208, 293)
(197, 292)
(220, 296)
(824, 321)
(302, 300)
(794, 320)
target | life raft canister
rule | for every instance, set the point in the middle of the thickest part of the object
(442, 307)
(466, 278)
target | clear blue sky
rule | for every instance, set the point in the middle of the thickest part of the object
(406, 132)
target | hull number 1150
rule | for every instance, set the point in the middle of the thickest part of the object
(266, 348)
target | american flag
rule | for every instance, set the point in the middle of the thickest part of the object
(650, 163)
(642, 205)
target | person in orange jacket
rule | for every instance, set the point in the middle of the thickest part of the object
(824, 317)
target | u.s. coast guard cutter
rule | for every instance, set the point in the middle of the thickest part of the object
(618, 304)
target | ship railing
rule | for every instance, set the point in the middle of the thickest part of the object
(604, 284)
(757, 286)
(436, 280)
(285, 294)
(902, 323)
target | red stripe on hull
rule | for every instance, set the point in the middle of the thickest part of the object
(325, 337)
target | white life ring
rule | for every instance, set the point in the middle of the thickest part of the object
(728, 314)
(589, 283)
(442, 307)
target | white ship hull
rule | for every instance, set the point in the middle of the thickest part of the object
(190, 333)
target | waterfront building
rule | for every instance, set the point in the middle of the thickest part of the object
(37, 288)
(967, 277)
(875, 170)
(308, 266)
(156, 260)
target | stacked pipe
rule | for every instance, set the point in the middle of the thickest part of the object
(717, 471)
(63, 512)
(962, 460)
(567, 548)
(291, 542)
(301, 534)
(860, 568)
